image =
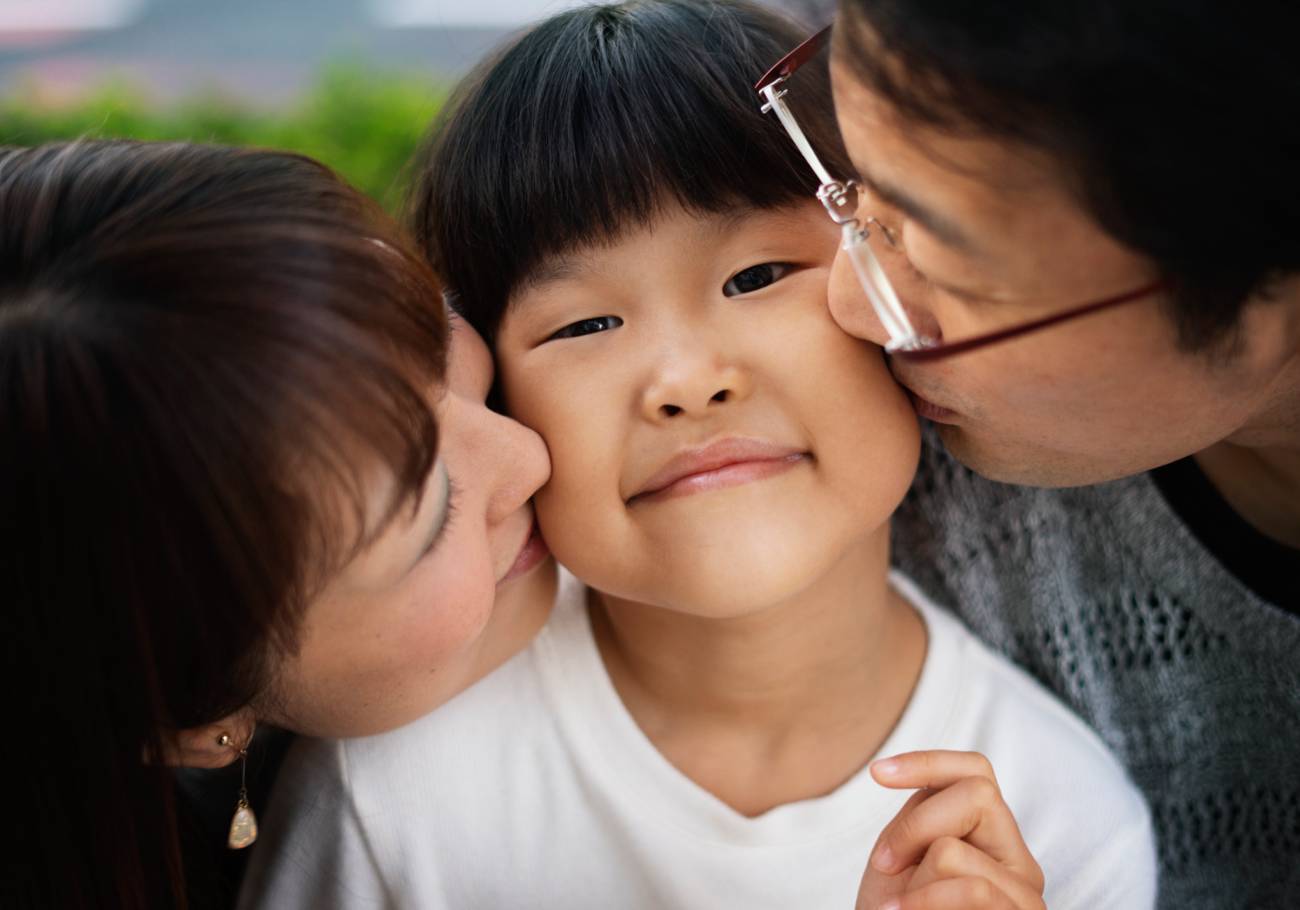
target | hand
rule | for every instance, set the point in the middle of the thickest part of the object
(954, 845)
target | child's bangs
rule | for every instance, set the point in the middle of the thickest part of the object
(588, 124)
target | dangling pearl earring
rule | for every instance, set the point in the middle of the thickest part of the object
(243, 826)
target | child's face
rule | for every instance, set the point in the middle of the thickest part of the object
(710, 337)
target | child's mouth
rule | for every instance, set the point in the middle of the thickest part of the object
(725, 463)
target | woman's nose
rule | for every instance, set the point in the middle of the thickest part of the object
(522, 465)
(693, 383)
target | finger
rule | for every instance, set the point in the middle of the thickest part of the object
(950, 858)
(953, 894)
(876, 885)
(913, 801)
(971, 809)
(932, 768)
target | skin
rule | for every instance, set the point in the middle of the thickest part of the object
(398, 630)
(954, 843)
(741, 626)
(1134, 398)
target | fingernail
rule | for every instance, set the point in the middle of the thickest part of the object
(886, 766)
(884, 859)
(892, 904)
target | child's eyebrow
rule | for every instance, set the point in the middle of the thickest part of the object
(557, 268)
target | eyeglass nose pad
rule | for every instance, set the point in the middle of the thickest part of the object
(890, 236)
(842, 207)
(840, 201)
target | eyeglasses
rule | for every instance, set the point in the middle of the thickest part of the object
(840, 198)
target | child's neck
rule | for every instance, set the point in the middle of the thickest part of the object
(781, 705)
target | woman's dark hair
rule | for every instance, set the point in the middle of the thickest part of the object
(1173, 119)
(199, 348)
(590, 122)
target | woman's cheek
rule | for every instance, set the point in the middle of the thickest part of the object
(456, 593)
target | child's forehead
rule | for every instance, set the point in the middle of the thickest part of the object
(736, 223)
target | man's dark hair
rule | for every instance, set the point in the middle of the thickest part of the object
(1175, 120)
(590, 122)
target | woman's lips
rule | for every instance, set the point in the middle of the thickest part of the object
(727, 463)
(531, 553)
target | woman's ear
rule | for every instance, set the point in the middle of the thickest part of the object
(213, 745)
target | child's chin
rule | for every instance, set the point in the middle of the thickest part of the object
(739, 588)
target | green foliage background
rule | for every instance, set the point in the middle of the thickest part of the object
(364, 123)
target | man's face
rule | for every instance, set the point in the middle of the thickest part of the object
(989, 237)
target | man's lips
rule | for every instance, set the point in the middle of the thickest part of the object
(924, 406)
(931, 411)
(725, 463)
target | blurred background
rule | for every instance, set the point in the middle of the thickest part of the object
(354, 83)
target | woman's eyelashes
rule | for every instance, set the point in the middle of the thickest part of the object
(444, 524)
(586, 327)
(755, 278)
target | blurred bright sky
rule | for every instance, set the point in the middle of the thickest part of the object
(262, 51)
(60, 15)
(464, 12)
(57, 15)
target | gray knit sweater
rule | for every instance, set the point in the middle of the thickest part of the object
(1105, 595)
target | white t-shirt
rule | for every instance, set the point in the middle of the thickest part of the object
(536, 789)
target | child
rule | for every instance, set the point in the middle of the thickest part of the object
(693, 727)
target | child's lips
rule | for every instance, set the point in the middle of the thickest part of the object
(725, 463)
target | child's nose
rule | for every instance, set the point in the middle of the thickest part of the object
(693, 386)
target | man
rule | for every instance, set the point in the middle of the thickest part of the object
(1122, 515)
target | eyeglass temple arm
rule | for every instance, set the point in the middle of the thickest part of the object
(774, 96)
(879, 290)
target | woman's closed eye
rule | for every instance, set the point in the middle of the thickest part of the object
(588, 326)
(755, 278)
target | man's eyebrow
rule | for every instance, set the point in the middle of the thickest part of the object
(933, 222)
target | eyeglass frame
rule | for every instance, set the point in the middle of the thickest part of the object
(838, 197)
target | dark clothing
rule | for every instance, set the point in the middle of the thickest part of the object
(1168, 623)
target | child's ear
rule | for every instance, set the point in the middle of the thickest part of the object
(213, 745)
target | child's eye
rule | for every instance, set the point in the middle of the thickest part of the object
(755, 278)
(587, 327)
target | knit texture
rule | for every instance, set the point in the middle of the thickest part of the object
(1108, 599)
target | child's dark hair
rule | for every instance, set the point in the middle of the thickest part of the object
(591, 121)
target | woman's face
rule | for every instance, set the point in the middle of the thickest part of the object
(447, 592)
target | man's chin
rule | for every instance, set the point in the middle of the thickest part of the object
(1023, 464)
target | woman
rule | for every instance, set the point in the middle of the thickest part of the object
(242, 486)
